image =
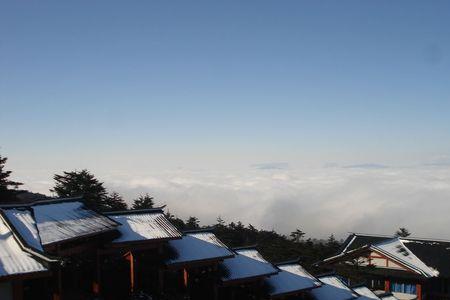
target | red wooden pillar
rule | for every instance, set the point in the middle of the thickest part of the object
(387, 285)
(130, 258)
(185, 278)
(419, 291)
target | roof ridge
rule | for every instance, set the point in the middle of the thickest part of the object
(288, 262)
(430, 239)
(255, 246)
(42, 202)
(331, 273)
(134, 211)
(199, 230)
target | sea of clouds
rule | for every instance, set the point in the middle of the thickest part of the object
(334, 199)
(362, 198)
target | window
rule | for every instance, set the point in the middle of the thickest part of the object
(403, 287)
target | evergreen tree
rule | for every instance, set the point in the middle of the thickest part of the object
(297, 235)
(402, 232)
(81, 184)
(192, 223)
(143, 202)
(114, 202)
(331, 246)
(7, 186)
(220, 222)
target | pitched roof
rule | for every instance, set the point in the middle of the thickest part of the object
(52, 221)
(364, 291)
(398, 249)
(62, 220)
(429, 258)
(14, 260)
(292, 278)
(196, 247)
(246, 264)
(143, 225)
(332, 289)
(23, 221)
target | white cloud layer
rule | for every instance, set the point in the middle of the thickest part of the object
(320, 201)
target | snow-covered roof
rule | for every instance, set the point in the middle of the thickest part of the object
(365, 292)
(195, 247)
(13, 260)
(291, 278)
(143, 225)
(246, 264)
(388, 296)
(23, 221)
(332, 289)
(396, 249)
(59, 221)
(434, 254)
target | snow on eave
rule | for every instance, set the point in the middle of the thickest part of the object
(364, 291)
(349, 243)
(343, 254)
(197, 247)
(24, 246)
(241, 263)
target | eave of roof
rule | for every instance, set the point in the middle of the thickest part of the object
(39, 255)
(315, 283)
(248, 277)
(202, 240)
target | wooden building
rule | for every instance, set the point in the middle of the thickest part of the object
(68, 230)
(60, 249)
(192, 265)
(133, 262)
(409, 268)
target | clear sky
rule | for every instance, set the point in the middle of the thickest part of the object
(138, 86)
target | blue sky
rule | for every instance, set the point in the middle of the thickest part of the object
(117, 86)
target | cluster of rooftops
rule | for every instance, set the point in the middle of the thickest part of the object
(28, 233)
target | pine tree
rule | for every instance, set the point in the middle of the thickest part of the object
(81, 184)
(192, 223)
(7, 186)
(297, 235)
(220, 222)
(143, 202)
(114, 202)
